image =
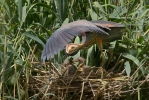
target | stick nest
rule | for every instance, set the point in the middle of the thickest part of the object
(83, 83)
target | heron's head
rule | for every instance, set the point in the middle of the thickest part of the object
(72, 49)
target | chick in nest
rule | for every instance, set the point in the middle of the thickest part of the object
(68, 67)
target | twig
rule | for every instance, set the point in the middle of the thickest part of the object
(83, 85)
(91, 88)
(70, 83)
(146, 32)
(56, 69)
(116, 63)
(121, 92)
(46, 92)
(40, 71)
(137, 70)
(40, 62)
(33, 52)
(82, 91)
(39, 80)
(2, 73)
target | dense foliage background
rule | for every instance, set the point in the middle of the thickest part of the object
(25, 25)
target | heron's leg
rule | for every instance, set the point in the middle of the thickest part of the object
(111, 55)
(99, 44)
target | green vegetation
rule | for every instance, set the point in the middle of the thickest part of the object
(25, 25)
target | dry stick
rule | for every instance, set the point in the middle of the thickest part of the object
(120, 66)
(64, 71)
(143, 82)
(31, 62)
(128, 91)
(127, 12)
(83, 85)
(2, 73)
(46, 91)
(133, 90)
(120, 87)
(40, 71)
(40, 90)
(40, 62)
(91, 85)
(137, 70)
(146, 80)
(38, 80)
(82, 90)
(116, 63)
(33, 52)
(56, 69)
(91, 89)
(93, 80)
(146, 32)
(40, 76)
(70, 83)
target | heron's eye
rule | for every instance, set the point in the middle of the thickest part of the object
(72, 48)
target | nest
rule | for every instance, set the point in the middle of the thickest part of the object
(82, 83)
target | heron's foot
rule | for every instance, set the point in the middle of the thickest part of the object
(102, 62)
(110, 57)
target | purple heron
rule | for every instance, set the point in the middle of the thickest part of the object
(92, 32)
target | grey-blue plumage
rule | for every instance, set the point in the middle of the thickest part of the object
(106, 30)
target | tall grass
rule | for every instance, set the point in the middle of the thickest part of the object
(25, 25)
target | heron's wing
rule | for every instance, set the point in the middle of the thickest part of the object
(115, 30)
(61, 37)
(107, 24)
